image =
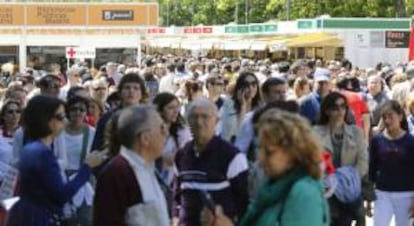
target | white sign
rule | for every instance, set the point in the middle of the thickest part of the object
(362, 38)
(278, 46)
(80, 53)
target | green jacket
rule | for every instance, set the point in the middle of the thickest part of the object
(294, 200)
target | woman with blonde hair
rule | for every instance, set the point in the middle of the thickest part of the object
(293, 195)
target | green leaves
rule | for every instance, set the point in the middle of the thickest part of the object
(211, 12)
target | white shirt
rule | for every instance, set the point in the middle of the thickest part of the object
(153, 211)
(74, 147)
(167, 84)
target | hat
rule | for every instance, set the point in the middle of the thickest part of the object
(321, 75)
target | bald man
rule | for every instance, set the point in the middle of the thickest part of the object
(127, 190)
(209, 163)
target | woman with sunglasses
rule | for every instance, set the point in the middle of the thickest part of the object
(391, 168)
(345, 143)
(245, 98)
(43, 191)
(292, 194)
(9, 122)
(78, 141)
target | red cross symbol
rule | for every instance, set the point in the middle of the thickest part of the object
(71, 53)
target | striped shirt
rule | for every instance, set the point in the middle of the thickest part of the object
(221, 170)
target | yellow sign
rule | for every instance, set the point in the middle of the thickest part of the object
(11, 15)
(79, 14)
(41, 15)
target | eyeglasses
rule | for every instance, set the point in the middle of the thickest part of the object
(54, 85)
(247, 83)
(195, 117)
(338, 107)
(99, 88)
(9, 112)
(218, 84)
(60, 117)
(77, 109)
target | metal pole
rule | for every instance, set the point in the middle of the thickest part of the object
(287, 9)
(168, 13)
(237, 12)
(246, 13)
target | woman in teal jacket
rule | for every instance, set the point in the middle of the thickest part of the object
(293, 195)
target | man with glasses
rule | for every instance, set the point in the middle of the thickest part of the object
(273, 89)
(215, 88)
(127, 190)
(209, 164)
(310, 104)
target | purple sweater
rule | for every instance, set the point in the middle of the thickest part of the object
(391, 165)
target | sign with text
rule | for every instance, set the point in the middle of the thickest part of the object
(59, 14)
(79, 14)
(121, 15)
(397, 39)
(11, 15)
(156, 30)
(198, 30)
(80, 53)
(140, 14)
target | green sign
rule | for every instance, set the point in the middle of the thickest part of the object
(243, 29)
(251, 28)
(305, 24)
(270, 27)
(257, 28)
(364, 24)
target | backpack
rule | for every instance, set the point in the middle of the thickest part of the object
(348, 187)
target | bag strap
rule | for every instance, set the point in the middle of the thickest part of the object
(84, 144)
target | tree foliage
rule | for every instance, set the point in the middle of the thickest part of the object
(211, 12)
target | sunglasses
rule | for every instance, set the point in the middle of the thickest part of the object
(77, 109)
(338, 107)
(9, 112)
(60, 117)
(247, 83)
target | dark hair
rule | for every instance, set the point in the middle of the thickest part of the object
(272, 81)
(113, 98)
(134, 78)
(45, 81)
(75, 100)
(4, 107)
(342, 83)
(239, 85)
(39, 111)
(327, 103)
(112, 141)
(171, 67)
(289, 106)
(192, 86)
(395, 106)
(160, 101)
(73, 90)
(180, 67)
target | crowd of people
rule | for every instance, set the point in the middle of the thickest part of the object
(195, 141)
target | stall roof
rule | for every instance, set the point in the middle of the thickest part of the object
(315, 40)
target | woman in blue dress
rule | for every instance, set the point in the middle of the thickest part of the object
(42, 189)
